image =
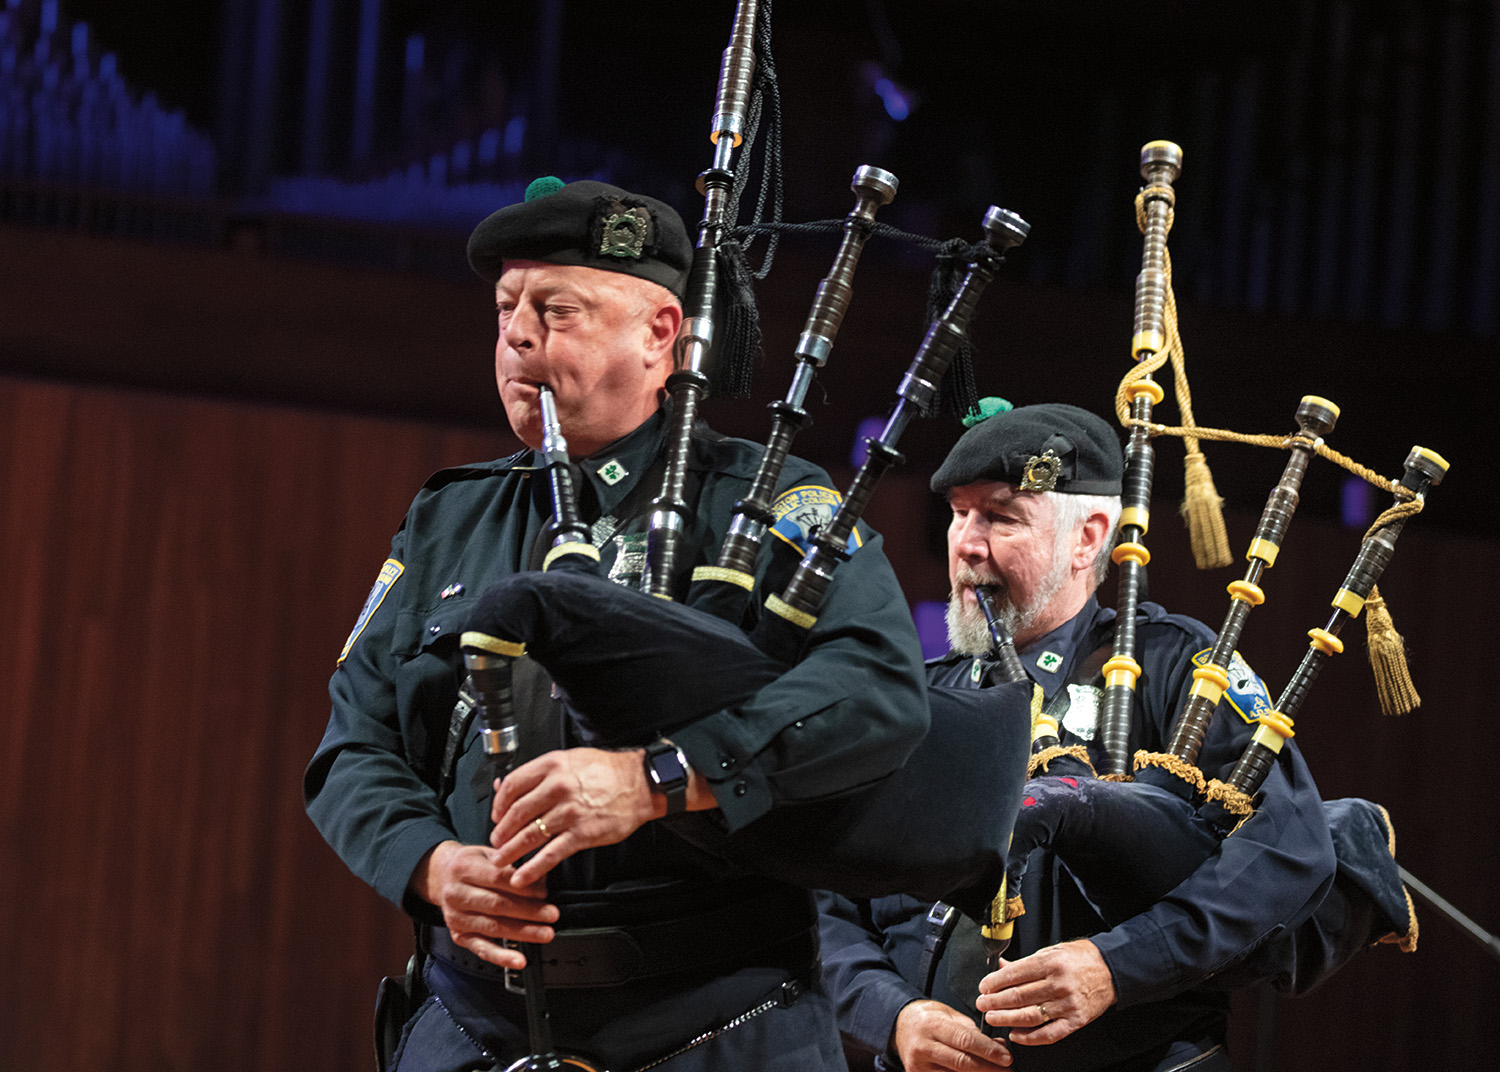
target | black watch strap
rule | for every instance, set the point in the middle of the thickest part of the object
(667, 773)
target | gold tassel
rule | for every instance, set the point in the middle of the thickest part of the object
(1393, 684)
(1202, 508)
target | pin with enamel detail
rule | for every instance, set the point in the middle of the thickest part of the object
(976, 672)
(630, 559)
(1042, 471)
(383, 582)
(612, 472)
(455, 589)
(1049, 661)
(1246, 692)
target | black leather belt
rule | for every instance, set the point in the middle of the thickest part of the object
(730, 935)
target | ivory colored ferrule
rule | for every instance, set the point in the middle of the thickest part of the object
(1121, 670)
(494, 645)
(1349, 602)
(1137, 516)
(1146, 343)
(1210, 682)
(1264, 550)
(1150, 388)
(782, 609)
(1135, 552)
(729, 576)
(573, 547)
(1268, 738)
(1326, 642)
(1246, 592)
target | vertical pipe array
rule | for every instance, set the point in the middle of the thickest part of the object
(1161, 163)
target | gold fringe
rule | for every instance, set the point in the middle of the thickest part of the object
(1393, 684)
(1172, 765)
(1203, 510)
(1116, 777)
(1038, 763)
(1407, 942)
(1014, 908)
(1227, 796)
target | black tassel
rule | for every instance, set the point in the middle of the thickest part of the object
(958, 393)
(737, 349)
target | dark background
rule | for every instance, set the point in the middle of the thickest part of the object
(236, 332)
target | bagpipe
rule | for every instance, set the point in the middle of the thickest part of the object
(633, 665)
(1146, 821)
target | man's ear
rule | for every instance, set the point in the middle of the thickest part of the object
(1092, 536)
(661, 333)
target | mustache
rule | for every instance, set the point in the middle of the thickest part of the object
(968, 577)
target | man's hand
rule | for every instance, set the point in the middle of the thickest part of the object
(565, 801)
(1048, 995)
(931, 1037)
(481, 903)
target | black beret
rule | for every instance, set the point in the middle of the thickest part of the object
(1005, 445)
(587, 223)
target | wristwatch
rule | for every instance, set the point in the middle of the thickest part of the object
(667, 771)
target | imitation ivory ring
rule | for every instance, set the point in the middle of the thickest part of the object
(542, 827)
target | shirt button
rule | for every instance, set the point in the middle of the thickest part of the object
(726, 762)
(740, 789)
(435, 630)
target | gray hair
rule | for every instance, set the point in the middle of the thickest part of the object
(1070, 511)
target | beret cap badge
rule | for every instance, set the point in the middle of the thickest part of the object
(1041, 471)
(624, 231)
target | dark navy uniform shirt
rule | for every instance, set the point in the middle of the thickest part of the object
(848, 714)
(1268, 875)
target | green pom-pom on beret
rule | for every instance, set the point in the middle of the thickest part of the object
(986, 408)
(542, 187)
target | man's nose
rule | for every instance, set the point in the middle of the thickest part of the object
(521, 330)
(966, 537)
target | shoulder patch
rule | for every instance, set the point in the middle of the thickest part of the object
(1247, 693)
(388, 574)
(801, 511)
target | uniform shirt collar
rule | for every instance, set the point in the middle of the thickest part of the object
(1050, 658)
(611, 472)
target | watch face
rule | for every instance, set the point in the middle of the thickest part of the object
(665, 767)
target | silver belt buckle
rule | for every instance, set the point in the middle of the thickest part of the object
(513, 981)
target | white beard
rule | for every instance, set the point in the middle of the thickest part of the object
(969, 633)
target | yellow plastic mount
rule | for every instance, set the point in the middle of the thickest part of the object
(782, 609)
(1432, 456)
(1319, 400)
(1326, 642)
(728, 576)
(1139, 516)
(1150, 388)
(1264, 550)
(1348, 602)
(1136, 552)
(1121, 670)
(576, 547)
(1046, 726)
(1247, 592)
(494, 645)
(1272, 730)
(1210, 682)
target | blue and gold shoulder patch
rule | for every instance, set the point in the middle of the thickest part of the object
(801, 511)
(388, 574)
(1247, 692)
